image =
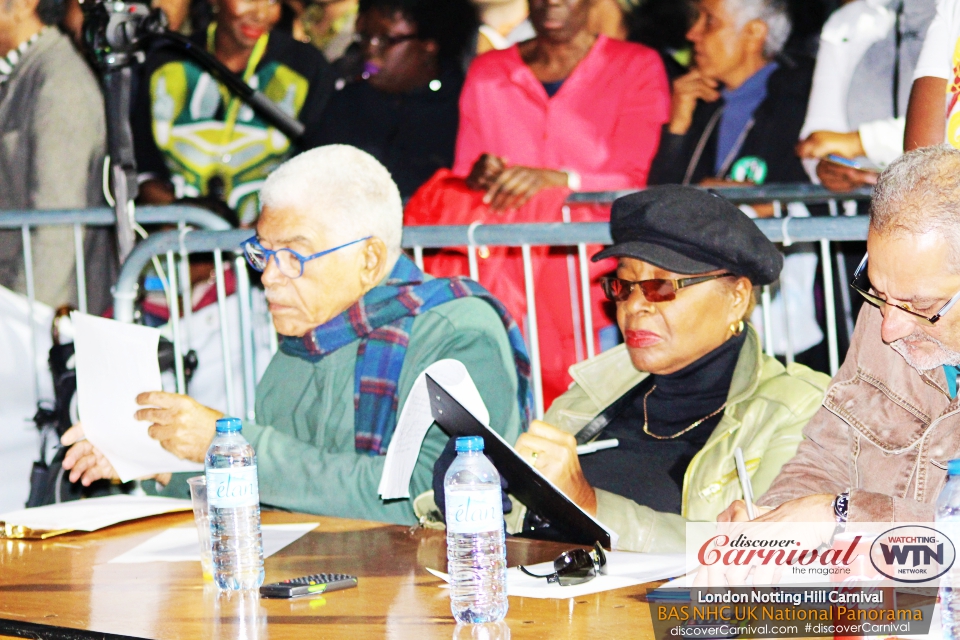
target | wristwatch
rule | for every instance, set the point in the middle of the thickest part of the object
(840, 506)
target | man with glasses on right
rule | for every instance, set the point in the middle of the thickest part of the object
(877, 450)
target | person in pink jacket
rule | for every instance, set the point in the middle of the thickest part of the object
(567, 108)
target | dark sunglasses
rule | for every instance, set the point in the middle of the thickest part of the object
(575, 567)
(656, 290)
(861, 284)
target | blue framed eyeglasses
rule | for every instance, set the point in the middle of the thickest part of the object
(289, 262)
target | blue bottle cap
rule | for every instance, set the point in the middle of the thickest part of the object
(953, 467)
(470, 443)
(229, 425)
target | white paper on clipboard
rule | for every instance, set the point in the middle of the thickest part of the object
(415, 420)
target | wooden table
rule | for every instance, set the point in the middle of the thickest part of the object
(64, 588)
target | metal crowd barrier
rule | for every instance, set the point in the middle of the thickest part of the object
(185, 217)
(822, 230)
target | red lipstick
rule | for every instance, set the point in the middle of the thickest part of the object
(641, 339)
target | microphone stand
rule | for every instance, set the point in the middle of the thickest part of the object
(117, 34)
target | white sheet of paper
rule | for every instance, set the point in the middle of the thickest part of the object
(182, 544)
(416, 418)
(93, 513)
(624, 569)
(116, 362)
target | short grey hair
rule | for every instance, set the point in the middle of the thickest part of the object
(919, 193)
(348, 190)
(774, 13)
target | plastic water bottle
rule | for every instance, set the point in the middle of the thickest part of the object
(476, 554)
(233, 496)
(948, 522)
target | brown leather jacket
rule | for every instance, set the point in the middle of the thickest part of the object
(885, 433)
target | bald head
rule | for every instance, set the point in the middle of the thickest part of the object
(918, 194)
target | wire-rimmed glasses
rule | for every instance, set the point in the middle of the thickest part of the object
(861, 284)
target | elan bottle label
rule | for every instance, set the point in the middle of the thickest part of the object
(230, 488)
(474, 511)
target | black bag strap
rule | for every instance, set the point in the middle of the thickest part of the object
(598, 424)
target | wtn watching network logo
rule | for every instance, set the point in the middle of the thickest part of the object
(912, 553)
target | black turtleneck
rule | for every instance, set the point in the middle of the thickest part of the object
(650, 471)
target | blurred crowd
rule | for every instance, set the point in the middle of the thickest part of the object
(482, 111)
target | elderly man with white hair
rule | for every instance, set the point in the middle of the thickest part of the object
(737, 114)
(359, 322)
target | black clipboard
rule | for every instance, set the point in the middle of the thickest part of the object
(526, 483)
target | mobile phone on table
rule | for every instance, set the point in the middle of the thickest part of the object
(308, 585)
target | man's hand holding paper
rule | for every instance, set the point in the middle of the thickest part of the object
(116, 364)
(84, 461)
(87, 464)
(183, 426)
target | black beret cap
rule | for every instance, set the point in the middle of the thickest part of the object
(688, 230)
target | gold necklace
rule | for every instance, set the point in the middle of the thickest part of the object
(696, 424)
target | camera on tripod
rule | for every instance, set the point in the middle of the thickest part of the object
(115, 32)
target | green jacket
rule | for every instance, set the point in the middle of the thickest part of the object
(304, 436)
(767, 408)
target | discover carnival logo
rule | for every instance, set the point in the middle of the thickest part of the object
(912, 553)
(915, 553)
(743, 550)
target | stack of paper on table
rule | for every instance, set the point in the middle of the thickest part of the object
(85, 515)
(182, 544)
(624, 569)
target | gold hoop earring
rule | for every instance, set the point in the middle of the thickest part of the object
(736, 328)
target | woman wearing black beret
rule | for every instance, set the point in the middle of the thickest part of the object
(690, 385)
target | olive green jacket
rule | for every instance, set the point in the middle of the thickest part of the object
(767, 408)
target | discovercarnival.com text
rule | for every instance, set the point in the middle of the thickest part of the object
(730, 630)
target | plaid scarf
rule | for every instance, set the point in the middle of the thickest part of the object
(382, 321)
